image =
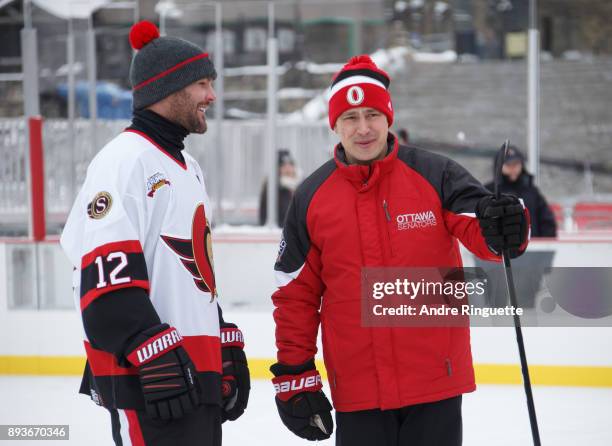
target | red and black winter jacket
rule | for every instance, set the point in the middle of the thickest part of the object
(344, 217)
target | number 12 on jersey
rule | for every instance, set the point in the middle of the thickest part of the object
(106, 263)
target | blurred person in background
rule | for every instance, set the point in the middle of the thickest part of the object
(288, 180)
(516, 180)
(404, 136)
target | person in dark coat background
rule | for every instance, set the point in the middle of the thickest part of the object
(518, 181)
(288, 180)
(404, 136)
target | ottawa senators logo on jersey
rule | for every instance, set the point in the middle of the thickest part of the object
(196, 254)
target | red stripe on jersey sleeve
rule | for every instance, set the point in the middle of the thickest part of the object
(126, 246)
(134, 428)
(204, 351)
(103, 363)
(93, 294)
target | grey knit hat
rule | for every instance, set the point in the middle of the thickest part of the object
(163, 65)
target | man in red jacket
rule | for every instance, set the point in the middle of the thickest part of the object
(390, 385)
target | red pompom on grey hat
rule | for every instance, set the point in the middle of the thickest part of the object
(360, 83)
(163, 65)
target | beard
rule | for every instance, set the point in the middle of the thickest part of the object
(186, 113)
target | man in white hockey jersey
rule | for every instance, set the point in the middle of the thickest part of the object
(160, 357)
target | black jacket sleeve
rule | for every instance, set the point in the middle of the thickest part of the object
(546, 218)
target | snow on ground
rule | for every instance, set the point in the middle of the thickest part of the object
(493, 415)
(443, 57)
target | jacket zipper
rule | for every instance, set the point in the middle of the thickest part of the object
(385, 206)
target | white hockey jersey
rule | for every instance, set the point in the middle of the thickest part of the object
(142, 219)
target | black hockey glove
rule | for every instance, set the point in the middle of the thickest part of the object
(503, 223)
(167, 375)
(306, 411)
(236, 382)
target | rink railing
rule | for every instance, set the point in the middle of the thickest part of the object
(234, 173)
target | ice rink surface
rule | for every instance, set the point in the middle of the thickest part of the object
(492, 416)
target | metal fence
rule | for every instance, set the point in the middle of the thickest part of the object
(13, 172)
(234, 172)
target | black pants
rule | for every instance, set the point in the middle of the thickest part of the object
(429, 424)
(199, 428)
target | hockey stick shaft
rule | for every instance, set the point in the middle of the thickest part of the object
(535, 433)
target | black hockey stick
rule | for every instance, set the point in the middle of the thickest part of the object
(535, 433)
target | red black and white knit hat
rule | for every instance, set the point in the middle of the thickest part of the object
(360, 83)
(163, 65)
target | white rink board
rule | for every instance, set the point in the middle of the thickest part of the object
(243, 261)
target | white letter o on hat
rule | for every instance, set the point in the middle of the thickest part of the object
(355, 95)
